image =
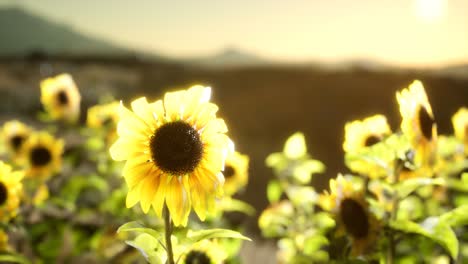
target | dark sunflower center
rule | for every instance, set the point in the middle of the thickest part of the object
(16, 142)
(371, 140)
(3, 193)
(62, 98)
(197, 257)
(228, 171)
(176, 148)
(426, 122)
(107, 122)
(40, 156)
(354, 218)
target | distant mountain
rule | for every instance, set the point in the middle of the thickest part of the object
(230, 57)
(23, 33)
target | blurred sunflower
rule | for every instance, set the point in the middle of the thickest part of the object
(361, 134)
(103, 115)
(61, 98)
(11, 190)
(352, 214)
(175, 151)
(460, 126)
(418, 123)
(235, 172)
(42, 155)
(204, 252)
(14, 134)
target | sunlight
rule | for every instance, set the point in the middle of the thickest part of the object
(430, 10)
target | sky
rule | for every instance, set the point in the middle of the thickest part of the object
(421, 33)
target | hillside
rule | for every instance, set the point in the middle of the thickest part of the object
(23, 33)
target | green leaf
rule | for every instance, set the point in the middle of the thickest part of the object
(196, 236)
(295, 146)
(304, 196)
(14, 258)
(433, 229)
(274, 191)
(457, 184)
(229, 204)
(408, 186)
(456, 217)
(150, 248)
(134, 226)
(314, 243)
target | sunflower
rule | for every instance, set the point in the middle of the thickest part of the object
(61, 98)
(352, 214)
(10, 191)
(42, 155)
(103, 115)
(14, 134)
(361, 134)
(175, 150)
(204, 252)
(418, 123)
(460, 126)
(235, 172)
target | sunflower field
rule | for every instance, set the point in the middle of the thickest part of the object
(160, 180)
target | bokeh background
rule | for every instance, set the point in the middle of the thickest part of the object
(276, 67)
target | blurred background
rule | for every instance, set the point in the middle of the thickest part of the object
(276, 67)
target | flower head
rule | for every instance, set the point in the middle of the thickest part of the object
(175, 151)
(204, 252)
(235, 172)
(103, 115)
(42, 155)
(11, 190)
(352, 214)
(61, 98)
(418, 123)
(361, 134)
(14, 134)
(460, 126)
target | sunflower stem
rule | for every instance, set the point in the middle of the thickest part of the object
(168, 233)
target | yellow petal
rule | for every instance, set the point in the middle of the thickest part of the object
(172, 105)
(204, 114)
(178, 202)
(148, 190)
(194, 97)
(138, 173)
(133, 196)
(123, 149)
(158, 201)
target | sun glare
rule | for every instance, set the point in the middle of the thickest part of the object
(430, 10)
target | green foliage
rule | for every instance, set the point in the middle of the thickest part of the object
(432, 228)
(196, 236)
(274, 191)
(406, 187)
(13, 258)
(135, 226)
(150, 248)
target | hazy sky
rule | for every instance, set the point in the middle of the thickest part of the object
(404, 32)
